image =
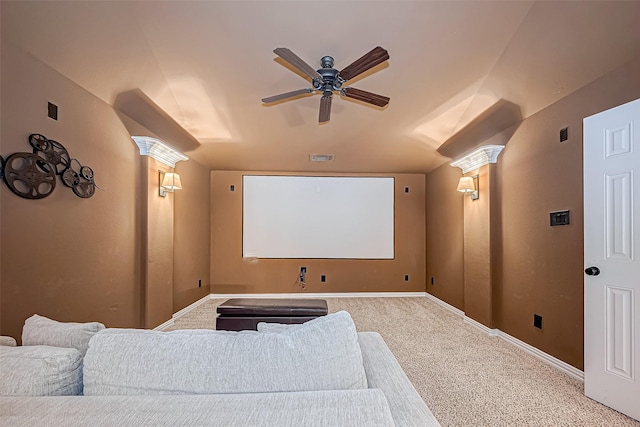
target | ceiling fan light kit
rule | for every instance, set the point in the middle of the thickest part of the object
(327, 80)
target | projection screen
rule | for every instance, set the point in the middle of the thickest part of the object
(318, 217)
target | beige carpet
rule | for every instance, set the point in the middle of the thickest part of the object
(466, 377)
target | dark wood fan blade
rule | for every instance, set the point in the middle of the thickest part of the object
(377, 56)
(295, 60)
(325, 109)
(363, 95)
(291, 94)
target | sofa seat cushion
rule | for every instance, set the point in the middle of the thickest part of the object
(40, 371)
(39, 330)
(322, 354)
(356, 408)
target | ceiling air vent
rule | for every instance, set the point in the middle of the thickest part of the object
(321, 157)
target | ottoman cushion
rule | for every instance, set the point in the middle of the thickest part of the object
(276, 307)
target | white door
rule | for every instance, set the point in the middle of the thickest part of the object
(611, 257)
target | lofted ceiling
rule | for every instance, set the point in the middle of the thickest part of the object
(208, 64)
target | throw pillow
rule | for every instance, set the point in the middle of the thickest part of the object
(322, 354)
(39, 330)
(8, 341)
(40, 371)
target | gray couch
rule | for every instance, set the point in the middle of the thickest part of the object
(321, 373)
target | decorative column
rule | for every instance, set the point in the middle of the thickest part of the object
(156, 240)
(480, 234)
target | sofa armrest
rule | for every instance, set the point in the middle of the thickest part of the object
(384, 372)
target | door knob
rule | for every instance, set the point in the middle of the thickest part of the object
(592, 271)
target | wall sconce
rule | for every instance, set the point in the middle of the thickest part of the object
(469, 186)
(169, 182)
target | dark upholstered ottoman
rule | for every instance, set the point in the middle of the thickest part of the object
(239, 314)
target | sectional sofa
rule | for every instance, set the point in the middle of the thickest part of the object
(321, 373)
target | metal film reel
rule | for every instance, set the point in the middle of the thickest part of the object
(29, 176)
(84, 189)
(87, 187)
(87, 173)
(71, 177)
(32, 175)
(58, 156)
(39, 142)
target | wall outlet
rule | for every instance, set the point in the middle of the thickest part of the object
(323, 278)
(433, 280)
(559, 218)
(406, 277)
(303, 271)
(199, 283)
(537, 321)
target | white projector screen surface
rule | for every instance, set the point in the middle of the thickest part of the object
(318, 217)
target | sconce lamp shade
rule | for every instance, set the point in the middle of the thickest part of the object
(171, 181)
(469, 186)
(465, 185)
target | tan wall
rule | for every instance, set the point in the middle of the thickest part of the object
(231, 274)
(542, 266)
(192, 225)
(534, 268)
(110, 258)
(445, 219)
(68, 258)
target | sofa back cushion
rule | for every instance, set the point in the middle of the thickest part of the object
(322, 354)
(39, 330)
(275, 328)
(40, 371)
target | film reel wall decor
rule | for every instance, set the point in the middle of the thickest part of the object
(33, 175)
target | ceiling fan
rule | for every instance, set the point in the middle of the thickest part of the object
(329, 80)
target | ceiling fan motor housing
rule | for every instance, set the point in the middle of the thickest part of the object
(330, 79)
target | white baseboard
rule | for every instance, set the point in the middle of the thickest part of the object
(324, 295)
(190, 307)
(179, 314)
(166, 325)
(445, 305)
(483, 328)
(556, 363)
(545, 357)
